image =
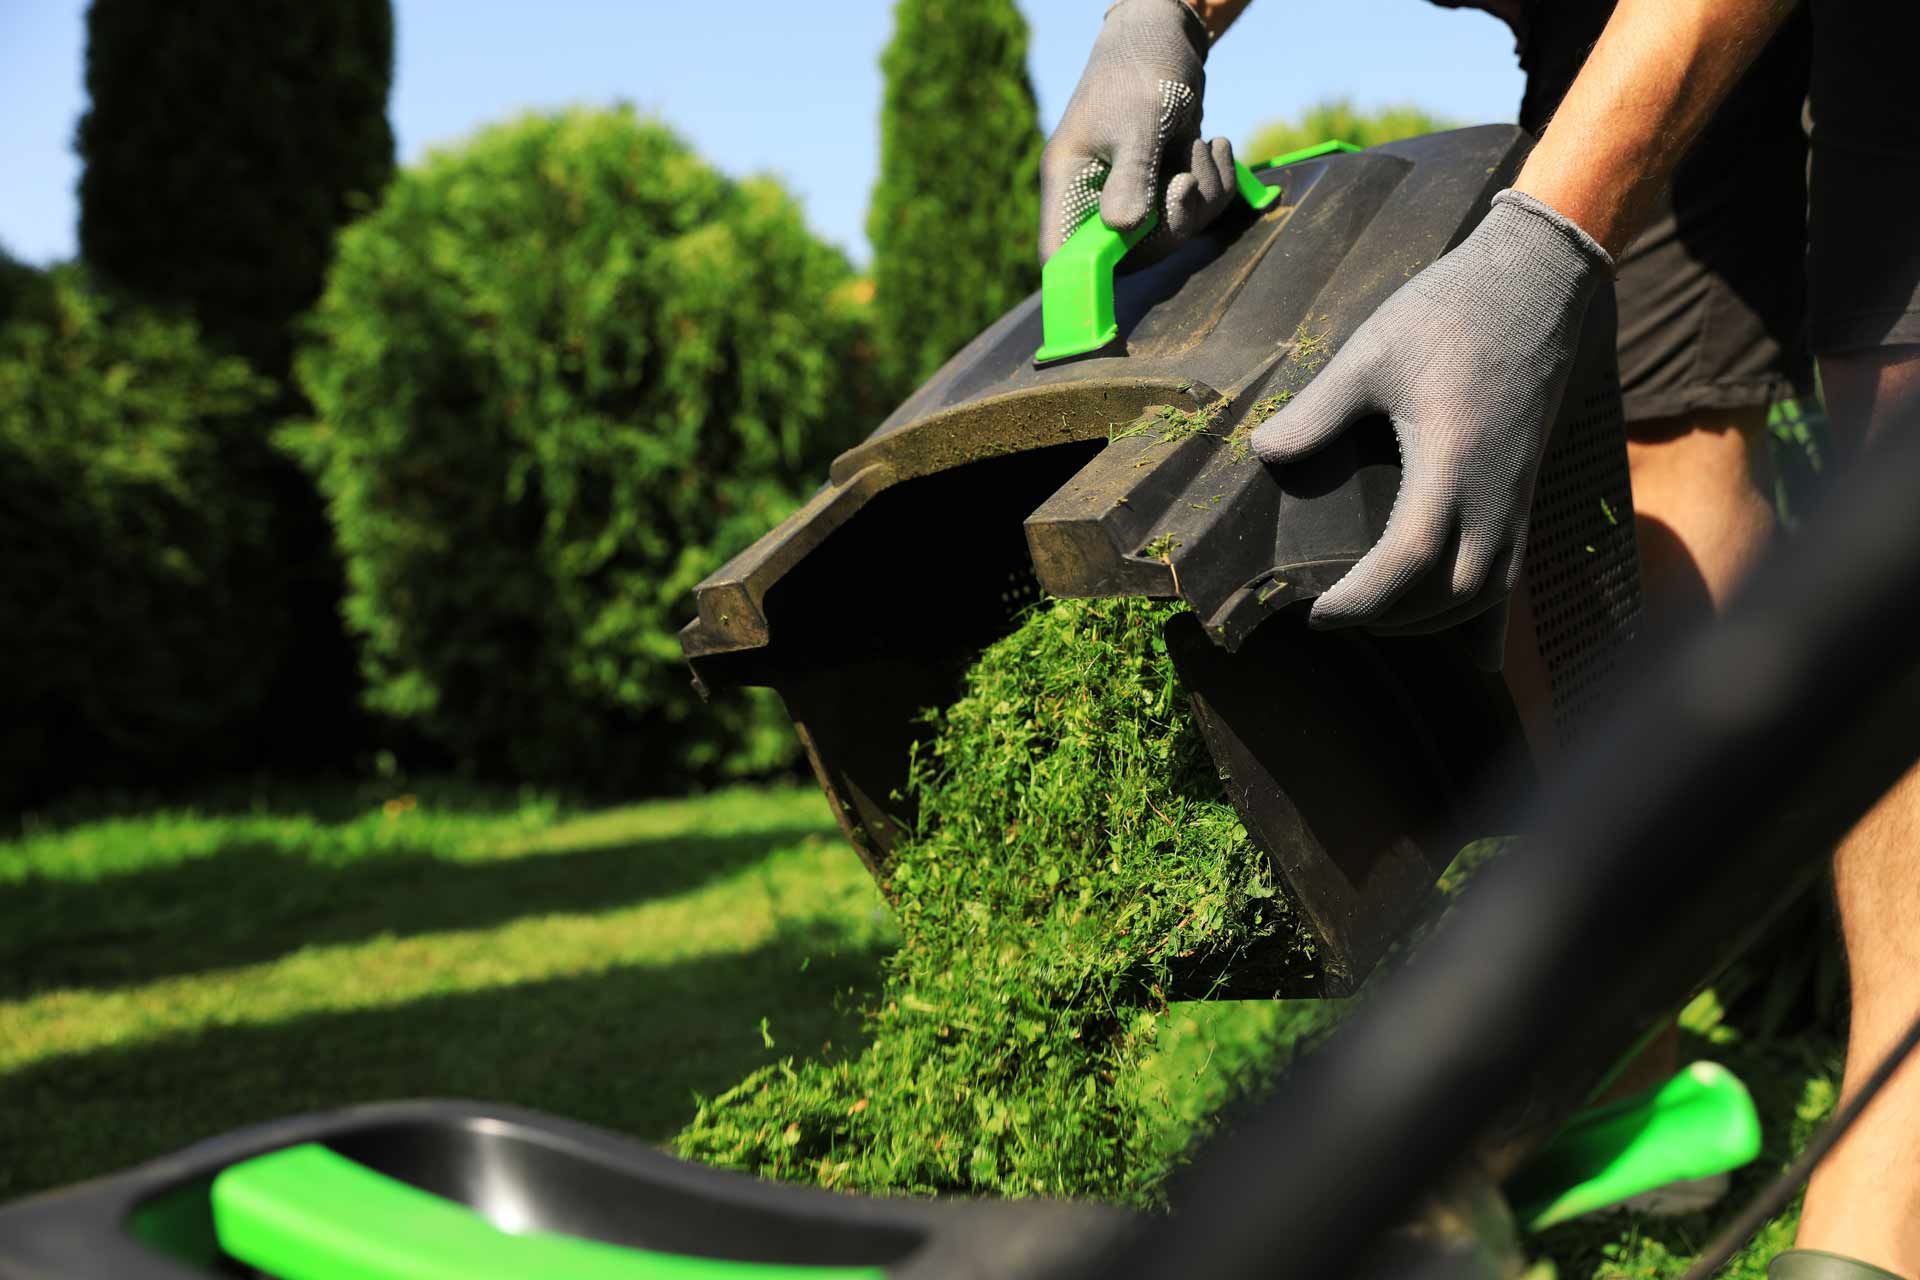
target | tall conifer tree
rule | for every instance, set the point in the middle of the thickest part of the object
(224, 145)
(956, 210)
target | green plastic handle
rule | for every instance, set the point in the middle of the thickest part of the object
(1076, 285)
(1700, 1123)
(309, 1213)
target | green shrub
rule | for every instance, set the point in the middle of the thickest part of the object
(560, 375)
(1074, 841)
(957, 204)
(1337, 118)
(17, 281)
(224, 144)
(129, 561)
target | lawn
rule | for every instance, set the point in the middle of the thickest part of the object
(174, 974)
(167, 974)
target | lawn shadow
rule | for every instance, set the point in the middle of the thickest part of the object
(628, 1048)
(251, 902)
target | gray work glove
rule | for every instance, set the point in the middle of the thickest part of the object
(1468, 360)
(1133, 120)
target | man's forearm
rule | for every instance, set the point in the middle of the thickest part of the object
(1657, 75)
(1218, 14)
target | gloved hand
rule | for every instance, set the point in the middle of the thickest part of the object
(1134, 117)
(1469, 360)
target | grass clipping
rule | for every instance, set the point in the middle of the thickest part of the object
(1074, 847)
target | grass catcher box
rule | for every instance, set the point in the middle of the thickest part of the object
(1353, 761)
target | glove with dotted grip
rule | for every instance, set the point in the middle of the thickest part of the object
(1129, 142)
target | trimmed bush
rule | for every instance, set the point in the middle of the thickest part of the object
(17, 282)
(957, 203)
(224, 145)
(128, 559)
(1074, 843)
(560, 375)
(1338, 118)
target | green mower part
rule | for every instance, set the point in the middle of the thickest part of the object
(1698, 1124)
(309, 1213)
(1076, 285)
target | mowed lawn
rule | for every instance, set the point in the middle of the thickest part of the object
(172, 975)
(176, 973)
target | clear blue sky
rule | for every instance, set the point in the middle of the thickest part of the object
(791, 86)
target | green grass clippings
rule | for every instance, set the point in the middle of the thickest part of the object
(1161, 547)
(1073, 844)
(1310, 349)
(1266, 406)
(1169, 425)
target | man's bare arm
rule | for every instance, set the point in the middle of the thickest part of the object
(1659, 72)
(1468, 359)
(1218, 14)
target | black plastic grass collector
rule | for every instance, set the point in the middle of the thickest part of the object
(519, 1173)
(1353, 761)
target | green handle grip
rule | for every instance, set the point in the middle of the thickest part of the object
(1076, 285)
(1700, 1123)
(309, 1213)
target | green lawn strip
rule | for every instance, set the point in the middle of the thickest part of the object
(129, 899)
(1074, 843)
(616, 1016)
(792, 890)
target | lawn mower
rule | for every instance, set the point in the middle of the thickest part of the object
(1092, 443)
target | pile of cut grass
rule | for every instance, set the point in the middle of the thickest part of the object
(1073, 845)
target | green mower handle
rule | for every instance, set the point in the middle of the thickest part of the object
(1700, 1123)
(1076, 285)
(309, 1213)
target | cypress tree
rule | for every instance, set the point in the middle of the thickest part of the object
(956, 208)
(224, 145)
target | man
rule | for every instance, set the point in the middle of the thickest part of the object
(1671, 154)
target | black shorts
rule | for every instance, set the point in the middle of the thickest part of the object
(1792, 227)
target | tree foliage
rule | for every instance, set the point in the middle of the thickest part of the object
(560, 375)
(224, 144)
(1338, 118)
(17, 282)
(129, 562)
(955, 209)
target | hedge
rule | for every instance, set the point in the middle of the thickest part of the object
(561, 374)
(129, 561)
